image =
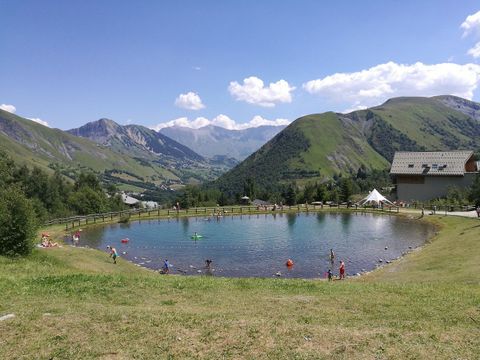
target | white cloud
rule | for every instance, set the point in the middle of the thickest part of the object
(189, 101)
(253, 91)
(222, 121)
(40, 121)
(475, 51)
(355, 107)
(9, 108)
(471, 24)
(377, 84)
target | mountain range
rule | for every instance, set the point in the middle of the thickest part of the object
(210, 141)
(318, 146)
(313, 148)
(132, 155)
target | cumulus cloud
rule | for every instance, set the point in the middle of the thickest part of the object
(254, 91)
(475, 51)
(40, 121)
(221, 121)
(471, 24)
(377, 84)
(9, 108)
(189, 101)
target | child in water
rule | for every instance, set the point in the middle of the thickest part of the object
(332, 255)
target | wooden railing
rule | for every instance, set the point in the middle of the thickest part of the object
(131, 214)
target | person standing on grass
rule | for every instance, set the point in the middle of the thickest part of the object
(113, 253)
(478, 211)
(166, 267)
(341, 270)
(329, 274)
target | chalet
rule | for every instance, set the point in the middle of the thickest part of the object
(128, 200)
(428, 175)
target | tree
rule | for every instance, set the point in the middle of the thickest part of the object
(346, 189)
(17, 222)
(309, 193)
(362, 172)
(291, 195)
(186, 199)
(6, 169)
(249, 188)
(87, 201)
(88, 180)
(474, 195)
(321, 192)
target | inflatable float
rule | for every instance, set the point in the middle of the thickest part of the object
(124, 241)
(289, 263)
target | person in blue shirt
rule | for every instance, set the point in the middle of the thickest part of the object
(166, 267)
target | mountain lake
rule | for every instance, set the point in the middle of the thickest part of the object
(259, 245)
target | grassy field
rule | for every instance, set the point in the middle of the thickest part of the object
(73, 303)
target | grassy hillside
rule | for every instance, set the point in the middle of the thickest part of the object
(34, 144)
(315, 147)
(74, 304)
(151, 157)
(430, 124)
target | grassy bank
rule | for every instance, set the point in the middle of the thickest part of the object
(73, 303)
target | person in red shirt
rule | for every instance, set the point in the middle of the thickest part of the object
(342, 270)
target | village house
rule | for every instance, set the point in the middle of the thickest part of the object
(421, 176)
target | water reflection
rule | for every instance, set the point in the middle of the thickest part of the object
(291, 220)
(185, 221)
(346, 221)
(258, 245)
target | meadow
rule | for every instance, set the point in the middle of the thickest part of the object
(73, 303)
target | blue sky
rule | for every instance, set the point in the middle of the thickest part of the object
(185, 62)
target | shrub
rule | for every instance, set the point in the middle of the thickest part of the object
(17, 223)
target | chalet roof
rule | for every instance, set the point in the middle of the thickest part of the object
(430, 163)
(128, 200)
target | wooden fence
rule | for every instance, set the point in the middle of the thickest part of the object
(131, 214)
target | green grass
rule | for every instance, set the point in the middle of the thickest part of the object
(73, 303)
(335, 146)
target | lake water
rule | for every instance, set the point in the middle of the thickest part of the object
(259, 245)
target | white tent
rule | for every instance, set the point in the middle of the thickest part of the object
(375, 197)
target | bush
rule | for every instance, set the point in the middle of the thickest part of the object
(17, 223)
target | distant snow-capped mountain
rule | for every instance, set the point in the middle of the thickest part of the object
(211, 140)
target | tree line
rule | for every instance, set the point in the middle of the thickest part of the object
(341, 188)
(28, 197)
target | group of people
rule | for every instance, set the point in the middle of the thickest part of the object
(46, 242)
(341, 269)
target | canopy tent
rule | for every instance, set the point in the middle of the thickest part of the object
(375, 197)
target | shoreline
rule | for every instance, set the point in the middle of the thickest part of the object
(361, 274)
